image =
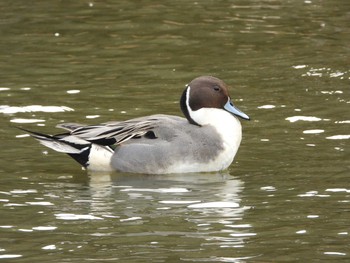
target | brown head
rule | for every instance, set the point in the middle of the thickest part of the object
(207, 92)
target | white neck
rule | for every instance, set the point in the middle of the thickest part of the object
(227, 125)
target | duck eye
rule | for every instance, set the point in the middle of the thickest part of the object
(216, 88)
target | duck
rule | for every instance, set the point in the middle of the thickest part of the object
(206, 139)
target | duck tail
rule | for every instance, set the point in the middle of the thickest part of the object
(75, 147)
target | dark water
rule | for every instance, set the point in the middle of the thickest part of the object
(285, 198)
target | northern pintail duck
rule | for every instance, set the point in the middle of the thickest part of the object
(206, 140)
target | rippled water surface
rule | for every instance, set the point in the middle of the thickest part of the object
(285, 198)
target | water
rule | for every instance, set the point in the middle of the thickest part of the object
(286, 196)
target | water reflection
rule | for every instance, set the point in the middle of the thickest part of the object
(211, 202)
(132, 211)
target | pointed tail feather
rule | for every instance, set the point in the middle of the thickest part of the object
(75, 147)
(61, 143)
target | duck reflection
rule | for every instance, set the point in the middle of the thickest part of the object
(208, 202)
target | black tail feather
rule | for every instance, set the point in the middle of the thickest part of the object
(82, 158)
(81, 155)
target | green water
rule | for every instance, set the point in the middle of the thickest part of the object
(285, 198)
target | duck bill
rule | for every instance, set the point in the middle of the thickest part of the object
(235, 111)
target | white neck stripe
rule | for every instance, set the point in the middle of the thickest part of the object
(188, 100)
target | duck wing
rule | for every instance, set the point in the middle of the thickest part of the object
(114, 132)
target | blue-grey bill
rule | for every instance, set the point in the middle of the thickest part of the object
(234, 110)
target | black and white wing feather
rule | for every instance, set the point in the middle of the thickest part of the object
(112, 132)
